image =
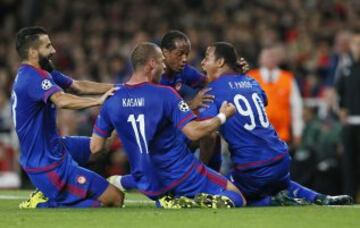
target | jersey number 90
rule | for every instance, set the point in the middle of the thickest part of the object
(246, 110)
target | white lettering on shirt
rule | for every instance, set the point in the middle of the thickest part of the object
(240, 85)
(133, 102)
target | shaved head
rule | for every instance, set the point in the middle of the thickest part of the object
(143, 53)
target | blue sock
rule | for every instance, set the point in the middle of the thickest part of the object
(235, 197)
(128, 182)
(264, 202)
(298, 191)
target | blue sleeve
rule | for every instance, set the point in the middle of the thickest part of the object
(42, 86)
(178, 110)
(103, 126)
(61, 79)
(194, 77)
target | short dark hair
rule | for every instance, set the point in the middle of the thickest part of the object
(28, 37)
(168, 40)
(142, 53)
(228, 52)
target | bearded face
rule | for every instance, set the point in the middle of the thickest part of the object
(45, 52)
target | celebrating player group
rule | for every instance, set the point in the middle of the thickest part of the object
(163, 110)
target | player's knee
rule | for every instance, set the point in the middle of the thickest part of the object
(231, 187)
(112, 197)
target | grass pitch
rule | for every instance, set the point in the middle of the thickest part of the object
(141, 212)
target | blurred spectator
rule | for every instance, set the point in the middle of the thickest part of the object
(340, 58)
(5, 117)
(319, 153)
(347, 87)
(9, 177)
(284, 107)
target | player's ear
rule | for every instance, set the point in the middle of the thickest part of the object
(165, 52)
(32, 52)
(152, 63)
(220, 62)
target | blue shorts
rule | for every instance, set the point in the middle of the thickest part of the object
(69, 185)
(78, 147)
(256, 183)
(199, 179)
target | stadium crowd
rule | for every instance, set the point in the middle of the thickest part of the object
(93, 40)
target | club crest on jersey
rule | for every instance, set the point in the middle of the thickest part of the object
(81, 179)
(183, 106)
(46, 84)
(178, 86)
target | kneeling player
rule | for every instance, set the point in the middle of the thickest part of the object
(45, 156)
(146, 117)
(261, 160)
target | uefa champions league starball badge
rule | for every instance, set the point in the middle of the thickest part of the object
(46, 84)
(183, 106)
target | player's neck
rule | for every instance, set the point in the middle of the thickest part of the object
(137, 78)
(31, 63)
(169, 73)
(224, 71)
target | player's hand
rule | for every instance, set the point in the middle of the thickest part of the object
(228, 109)
(202, 99)
(245, 67)
(109, 93)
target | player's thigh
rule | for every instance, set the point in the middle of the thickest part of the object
(87, 181)
(201, 180)
(262, 181)
(99, 188)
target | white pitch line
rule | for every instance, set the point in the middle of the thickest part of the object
(8, 197)
(127, 201)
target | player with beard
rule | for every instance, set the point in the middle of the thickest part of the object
(51, 161)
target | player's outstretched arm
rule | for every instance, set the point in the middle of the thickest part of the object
(69, 101)
(84, 87)
(195, 130)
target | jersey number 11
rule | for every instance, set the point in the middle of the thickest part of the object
(139, 131)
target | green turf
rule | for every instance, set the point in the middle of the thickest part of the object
(140, 212)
